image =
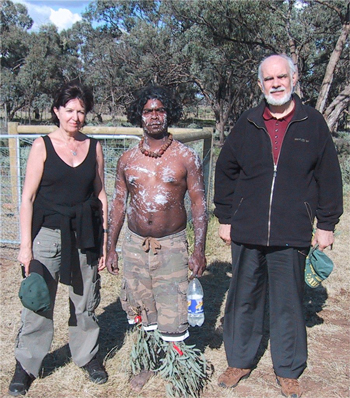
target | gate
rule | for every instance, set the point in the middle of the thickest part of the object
(14, 151)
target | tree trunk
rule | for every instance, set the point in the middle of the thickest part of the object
(221, 116)
(333, 60)
(336, 108)
(294, 56)
(293, 49)
(220, 128)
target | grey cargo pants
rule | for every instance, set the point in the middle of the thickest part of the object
(36, 332)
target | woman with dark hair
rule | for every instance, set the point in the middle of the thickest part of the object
(63, 220)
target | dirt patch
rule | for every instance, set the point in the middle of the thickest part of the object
(326, 313)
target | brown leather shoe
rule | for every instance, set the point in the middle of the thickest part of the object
(290, 388)
(231, 377)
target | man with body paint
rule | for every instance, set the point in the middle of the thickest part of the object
(151, 182)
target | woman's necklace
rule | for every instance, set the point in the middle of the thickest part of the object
(66, 141)
(74, 151)
(160, 152)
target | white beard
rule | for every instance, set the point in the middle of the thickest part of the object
(278, 101)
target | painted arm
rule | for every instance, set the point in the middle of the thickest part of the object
(195, 186)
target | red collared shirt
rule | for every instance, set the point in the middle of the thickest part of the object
(277, 130)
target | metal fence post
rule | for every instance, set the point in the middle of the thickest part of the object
(13, 152)
(207, 166)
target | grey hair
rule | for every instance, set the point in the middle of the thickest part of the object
(292, 67)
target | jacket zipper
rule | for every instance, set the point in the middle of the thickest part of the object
(274, 174)
(272, 183)
(270, 204)
(239, 205)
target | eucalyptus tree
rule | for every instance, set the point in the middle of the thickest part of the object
(14, 14)
(227, 39)
(338, 61)
(42, 71)
(14, 24)
(104, 58)
(33, 64)
(91, 47)
(163, 42)
(121, 16)
(317, 32)
(224, 41)
(130, 47)
(211, 46)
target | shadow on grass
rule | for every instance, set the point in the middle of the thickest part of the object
(215, 285)
(113, 326)
(54, 360)
(314, 301)
(215, 282)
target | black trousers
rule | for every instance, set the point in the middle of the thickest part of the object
(254, 270)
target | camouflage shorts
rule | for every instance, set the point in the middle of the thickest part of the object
(155, 282)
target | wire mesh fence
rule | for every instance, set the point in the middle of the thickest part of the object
(14, 151)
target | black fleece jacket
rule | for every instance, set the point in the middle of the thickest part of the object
(275, 205)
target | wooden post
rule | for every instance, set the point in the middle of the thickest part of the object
(13, 152)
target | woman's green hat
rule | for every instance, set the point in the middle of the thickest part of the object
(34, 293)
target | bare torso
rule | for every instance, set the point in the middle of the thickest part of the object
(150, 190)
(157, 188)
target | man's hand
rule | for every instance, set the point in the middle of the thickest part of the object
(112, 262)
(225, 233)
(323, 238)
(197, 263)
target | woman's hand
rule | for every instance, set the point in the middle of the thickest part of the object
(102, 260)
(101, 263)
(24, 257)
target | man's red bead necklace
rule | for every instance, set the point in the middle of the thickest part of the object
(160, 152)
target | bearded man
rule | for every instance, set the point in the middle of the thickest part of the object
(277, 171)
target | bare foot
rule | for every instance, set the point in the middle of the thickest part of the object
(137, 382)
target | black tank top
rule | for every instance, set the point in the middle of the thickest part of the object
(65, 185)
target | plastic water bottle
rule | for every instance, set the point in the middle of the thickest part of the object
(195, 312)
